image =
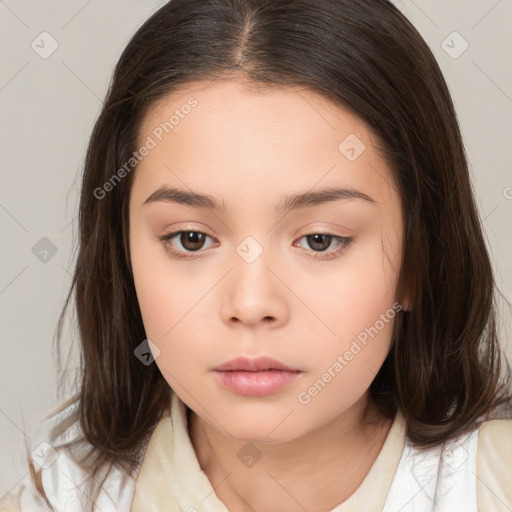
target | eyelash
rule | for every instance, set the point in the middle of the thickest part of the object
(345, 242)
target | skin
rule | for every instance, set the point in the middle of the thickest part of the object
(294, 303)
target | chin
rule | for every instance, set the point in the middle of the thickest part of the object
(256, 435)
(247, 428)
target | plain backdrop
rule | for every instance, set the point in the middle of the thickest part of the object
(49, 104)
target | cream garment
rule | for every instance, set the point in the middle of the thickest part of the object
(172, 480)
(167, 479)
(402, 478)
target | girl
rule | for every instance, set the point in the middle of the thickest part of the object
(283, 293)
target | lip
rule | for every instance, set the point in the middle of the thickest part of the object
(254, 364)
(255, 376)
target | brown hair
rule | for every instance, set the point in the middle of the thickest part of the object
(444, 370)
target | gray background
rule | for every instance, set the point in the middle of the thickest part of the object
(48, 108)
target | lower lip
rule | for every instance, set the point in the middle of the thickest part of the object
(256, 383)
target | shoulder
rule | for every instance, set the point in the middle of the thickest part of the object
(43, 451)
(54, 478)
(494, 465)
(45, 457)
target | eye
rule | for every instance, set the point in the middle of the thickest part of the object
(189, 240)
(192, 241)
(320, 242)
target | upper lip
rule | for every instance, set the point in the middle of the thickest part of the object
(254, 364)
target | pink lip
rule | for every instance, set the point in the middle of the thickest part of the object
(254, 364)
(255, 376)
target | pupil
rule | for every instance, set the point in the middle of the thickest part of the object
(318, 238)
(191, 240)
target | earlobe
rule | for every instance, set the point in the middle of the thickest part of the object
(406, 304)
(403, 295)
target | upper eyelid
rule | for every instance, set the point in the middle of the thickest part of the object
(313, 231)
(176, 232)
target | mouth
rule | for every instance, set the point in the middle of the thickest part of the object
(256, 364)
(255, 376)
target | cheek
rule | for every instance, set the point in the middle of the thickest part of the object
(160, 294)
(167, 302)
(357, 306)
(359, 289)
(168, 321)
(172, 302)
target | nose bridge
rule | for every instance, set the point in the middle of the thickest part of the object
(254, 292)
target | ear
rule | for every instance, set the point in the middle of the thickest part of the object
(403, 296)
(406, 303)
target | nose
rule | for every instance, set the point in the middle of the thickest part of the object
(253, 294)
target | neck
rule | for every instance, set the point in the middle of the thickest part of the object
(314, 472)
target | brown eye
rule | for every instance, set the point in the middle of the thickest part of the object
(184, 243)
(192, 240)
(319, 241)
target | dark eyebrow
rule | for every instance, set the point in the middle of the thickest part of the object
(292, 202)
(327, 195)
(194, 199)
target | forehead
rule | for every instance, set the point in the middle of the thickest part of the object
(239, 101)
(228, 136)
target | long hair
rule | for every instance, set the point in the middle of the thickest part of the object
(445, 367)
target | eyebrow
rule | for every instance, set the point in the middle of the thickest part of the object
(289, 203)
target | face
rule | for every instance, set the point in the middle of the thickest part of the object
(257, 268)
